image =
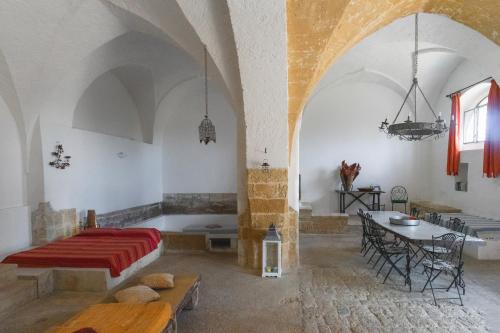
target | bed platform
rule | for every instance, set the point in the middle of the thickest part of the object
(94, 260)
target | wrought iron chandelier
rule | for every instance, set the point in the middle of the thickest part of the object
(206, 129)
(413, 130)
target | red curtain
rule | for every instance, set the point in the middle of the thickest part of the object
(454, 137)
(491, 160)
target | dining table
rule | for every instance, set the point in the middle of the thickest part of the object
(417, 235)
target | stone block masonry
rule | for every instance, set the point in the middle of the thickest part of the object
(48, 224)
(267, 204)
(199, 203)
(130, 216)
(329, 224)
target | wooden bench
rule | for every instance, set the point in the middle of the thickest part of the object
(151, 317)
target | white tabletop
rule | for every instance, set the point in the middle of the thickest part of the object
(422, 232)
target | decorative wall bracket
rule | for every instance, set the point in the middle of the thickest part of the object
(59, 163)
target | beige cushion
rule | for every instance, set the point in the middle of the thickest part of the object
(158, 280)
(137, 294)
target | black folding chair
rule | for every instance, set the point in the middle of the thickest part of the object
(456, 224)
(448, 261)
(391, 254)
(435, 218)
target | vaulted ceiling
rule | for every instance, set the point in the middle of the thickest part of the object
(320, 31)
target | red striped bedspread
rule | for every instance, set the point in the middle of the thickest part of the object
(116, 249)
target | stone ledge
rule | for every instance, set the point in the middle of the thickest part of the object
(330, 224)
(184, 242)
(430, 207)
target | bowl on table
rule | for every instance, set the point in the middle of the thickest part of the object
(404, 220)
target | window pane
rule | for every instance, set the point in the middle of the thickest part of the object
(481, 124)
(468, 133)
(483, 102)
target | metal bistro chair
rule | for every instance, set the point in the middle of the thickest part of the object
(456, 224)
(435, 218)
(449, 262)
(415, 212)
(366, 241)
(399, 195)
(391, 254)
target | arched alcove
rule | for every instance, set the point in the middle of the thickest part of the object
(193, 171)
(107, 107)
(366, 85)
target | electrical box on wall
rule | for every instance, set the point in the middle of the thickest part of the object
(461, 178)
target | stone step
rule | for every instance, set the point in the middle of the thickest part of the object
(16, 295)
(43, 278)
(7, 274)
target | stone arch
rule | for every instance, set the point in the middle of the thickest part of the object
(8, 97)
(324, 30)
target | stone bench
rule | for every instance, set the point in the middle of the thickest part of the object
(322, 224)
(430, 207)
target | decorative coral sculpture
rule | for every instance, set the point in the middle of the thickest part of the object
(348, 173)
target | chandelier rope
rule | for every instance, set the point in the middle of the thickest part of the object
(206, 130)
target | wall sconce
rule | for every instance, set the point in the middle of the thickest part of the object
(59, 163)
(265, 166)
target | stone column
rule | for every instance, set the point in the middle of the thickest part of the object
(268, 204)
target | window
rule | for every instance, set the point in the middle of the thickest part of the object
(474, 130)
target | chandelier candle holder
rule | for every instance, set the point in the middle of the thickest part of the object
(59, 163)
(206, 129)
(348, 173)
(271, 253)
(413, 130)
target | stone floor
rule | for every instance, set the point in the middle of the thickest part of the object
(333, 291)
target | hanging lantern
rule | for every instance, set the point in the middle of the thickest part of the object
(206, 129)
(271, 253)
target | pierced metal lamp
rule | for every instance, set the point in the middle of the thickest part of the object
(206, 129)
(415, 130)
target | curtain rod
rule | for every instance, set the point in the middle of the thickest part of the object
(468, 87)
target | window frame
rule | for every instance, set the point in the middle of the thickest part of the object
(480, 105)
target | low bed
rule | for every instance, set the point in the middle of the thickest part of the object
(114, 249)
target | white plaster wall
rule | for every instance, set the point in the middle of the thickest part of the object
(106, 107)
(483, 193)
(14, 215)
(15, 232)
(11, 175)
(98, 178)
(188, 165)
(340, 123)
(259, 29)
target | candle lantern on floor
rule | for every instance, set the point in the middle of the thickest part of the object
(271, 253)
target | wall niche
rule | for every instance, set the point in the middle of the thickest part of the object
(461, 178)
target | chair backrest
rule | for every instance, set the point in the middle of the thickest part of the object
(456, 224)
(361, 215)
(373, 231)
(399, 193)
(454, 245)
(435, 218)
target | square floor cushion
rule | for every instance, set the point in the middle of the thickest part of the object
(158, 280)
